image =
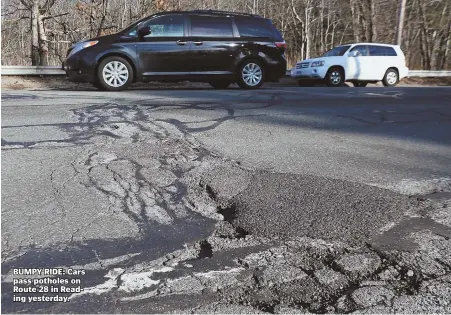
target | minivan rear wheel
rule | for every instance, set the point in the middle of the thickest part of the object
(114, 74)
(220, 84)
(251, 75)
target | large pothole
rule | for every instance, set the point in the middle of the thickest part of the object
(289, 205)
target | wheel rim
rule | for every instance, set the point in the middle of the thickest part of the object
(392, 77)
(335, 77)
(252, 74)
(115, 74)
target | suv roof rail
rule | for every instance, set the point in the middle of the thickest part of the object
(225, 12)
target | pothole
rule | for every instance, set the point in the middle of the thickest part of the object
(290, 205)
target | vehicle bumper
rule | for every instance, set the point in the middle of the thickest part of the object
(403, 72)
(77, 70)
(317, 73)
(276, 72)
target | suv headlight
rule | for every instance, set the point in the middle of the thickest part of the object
(83, 45)
(317, 63)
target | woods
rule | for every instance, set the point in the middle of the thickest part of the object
(39, 32)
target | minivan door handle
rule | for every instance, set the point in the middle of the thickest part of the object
(181, 42)
(198, 42)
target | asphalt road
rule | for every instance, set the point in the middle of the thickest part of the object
(119, 180)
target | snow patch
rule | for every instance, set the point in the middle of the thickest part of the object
(421, 187)
(133, 282)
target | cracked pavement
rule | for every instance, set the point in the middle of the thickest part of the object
(281, 200)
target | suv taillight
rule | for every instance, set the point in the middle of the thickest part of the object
(282, 45)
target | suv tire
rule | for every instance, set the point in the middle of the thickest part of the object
(219, 84)
(391, 77)
(114, 74)
(251, 75)
(335, 77)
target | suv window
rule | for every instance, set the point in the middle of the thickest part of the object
(361, 49)
(164, 26)
(382, 51)
(251, 27)
(337, 51)
(210, 26)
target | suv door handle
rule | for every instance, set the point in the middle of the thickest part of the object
(198, 42)
(181, 42)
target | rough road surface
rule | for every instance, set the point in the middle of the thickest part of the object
(281, 200)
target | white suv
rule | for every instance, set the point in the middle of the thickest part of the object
(360, 64)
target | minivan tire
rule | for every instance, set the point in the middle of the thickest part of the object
(391, 77)
(220, 84)
(335, 77)
(251, 67)
(98, 86)
(115, 66)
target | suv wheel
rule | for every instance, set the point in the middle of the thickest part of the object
(391, 78)
(114, 74)
(335, 77)
(220, 84)
(251, 75)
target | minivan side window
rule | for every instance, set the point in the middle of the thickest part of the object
(254, 27)
(361, 49)
(164, 26)
(209, 26)
(381, 51)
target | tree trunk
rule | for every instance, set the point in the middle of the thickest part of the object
(35, 56)
(355, 17)
(43, 43)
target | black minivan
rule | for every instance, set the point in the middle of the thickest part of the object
(201, 46)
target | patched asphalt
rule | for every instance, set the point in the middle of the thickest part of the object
(290, 205)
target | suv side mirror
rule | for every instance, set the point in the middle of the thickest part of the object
(353, 53)
(144, 31)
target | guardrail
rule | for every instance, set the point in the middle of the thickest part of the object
(51, 70)
(32, 70)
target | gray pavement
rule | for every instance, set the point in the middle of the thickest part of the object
(198, 200)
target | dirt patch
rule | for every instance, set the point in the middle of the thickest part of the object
(443, 81)
(62, 83)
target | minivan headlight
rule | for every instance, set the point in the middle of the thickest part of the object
(317, 63)
(83, 45)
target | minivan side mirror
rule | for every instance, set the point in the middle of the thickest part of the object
(144, 31)
(353, 53)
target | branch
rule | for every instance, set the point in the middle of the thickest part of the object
(47, 17)
(16, 20)
(27, 3)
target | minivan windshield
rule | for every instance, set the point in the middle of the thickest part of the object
(337, 51)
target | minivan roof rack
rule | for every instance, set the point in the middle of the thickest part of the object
(225, 12)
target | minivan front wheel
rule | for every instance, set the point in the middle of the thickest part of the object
(114, 73)
(251, 75)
